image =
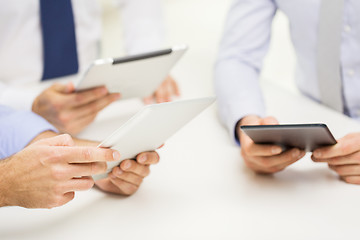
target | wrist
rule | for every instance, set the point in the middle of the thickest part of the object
(247, 120)
(4, 184)
(45, 134)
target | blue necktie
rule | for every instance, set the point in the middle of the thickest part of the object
(59, 43)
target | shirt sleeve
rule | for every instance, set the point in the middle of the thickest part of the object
(244, 44)
(18, 128)
(143, 25)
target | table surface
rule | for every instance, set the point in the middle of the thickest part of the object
(201, 188)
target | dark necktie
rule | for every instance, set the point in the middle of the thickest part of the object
(59, 43)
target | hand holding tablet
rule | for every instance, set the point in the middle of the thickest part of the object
(307, 137)
(267, 147)
(136, 76)
(151, 127)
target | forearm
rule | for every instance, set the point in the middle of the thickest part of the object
(4, 186)
(78, 142)
(239, 93)
(244, 44)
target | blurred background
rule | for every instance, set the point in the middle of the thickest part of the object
(199, 24)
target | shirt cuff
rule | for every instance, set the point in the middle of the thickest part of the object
(18, 128)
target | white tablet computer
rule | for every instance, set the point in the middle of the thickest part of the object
(151, 127)
(133, 76)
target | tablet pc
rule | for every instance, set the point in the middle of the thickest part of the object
(134, 76)
(148, 129)
(303, 136)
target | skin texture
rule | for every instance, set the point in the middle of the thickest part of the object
(343, 158)
(127, 178)
(47, 173)
(261, 158)
(165, 92)
(53, 164)
(70, 111)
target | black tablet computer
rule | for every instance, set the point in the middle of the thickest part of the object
(303, 136)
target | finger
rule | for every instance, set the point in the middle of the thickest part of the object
(295, 159)
(87, 154)
(124, 187)
(81, 98)
(78, 184)
(352, 179)
(276, 163)
(169, 91)
(346, 170)
(63, 88)
(67, 197)
(345, 146)
(148, 158)
(126, 176)
(148, 100)
(175, 87)
(160, 94)
(269, 121)
(345, 160)
(134, 167)
(96, 106)
(261, 150)
(61, 140)
(86, 169)
(78, 125)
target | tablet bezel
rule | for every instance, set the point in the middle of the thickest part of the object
(304, 136)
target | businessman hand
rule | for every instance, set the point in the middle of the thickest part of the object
(69, 111)
(164, 93)
(127, 178)
(343, 157)
(47, 173)
(265, 158)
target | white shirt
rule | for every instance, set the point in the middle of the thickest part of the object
(246, 40)
(21, 61)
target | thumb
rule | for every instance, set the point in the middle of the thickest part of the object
(60, 140)
(269, 121)
(251, 120)
(63, 88)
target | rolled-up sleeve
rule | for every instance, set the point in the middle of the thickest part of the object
(244, 44)
(18, 128)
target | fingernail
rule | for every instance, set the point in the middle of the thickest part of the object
(143, 158)
(116, 155)
(112, 176)
(127, 165)
(276, 150)
(296, 153)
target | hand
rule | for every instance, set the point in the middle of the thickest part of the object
(343, 157)
(127, 178)
(164, 93)
(48, 172)
(263, 158)
(70, 111)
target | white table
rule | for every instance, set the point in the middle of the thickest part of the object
(202, 190)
